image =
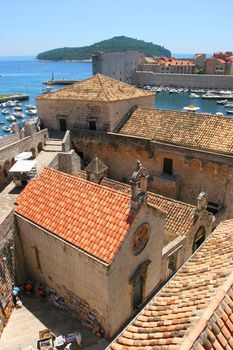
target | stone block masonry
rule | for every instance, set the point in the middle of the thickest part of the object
(204, 81)
(80, 309)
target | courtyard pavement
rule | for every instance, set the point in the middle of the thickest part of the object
(22, 329)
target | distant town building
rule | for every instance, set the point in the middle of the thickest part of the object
(117, 65)
(168, 65)
(220, 63)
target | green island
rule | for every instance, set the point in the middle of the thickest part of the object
(116, 44)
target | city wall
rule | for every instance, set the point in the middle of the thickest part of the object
(143, 78)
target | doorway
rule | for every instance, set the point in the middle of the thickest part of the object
(63, 124)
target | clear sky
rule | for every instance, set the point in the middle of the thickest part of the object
(28, 27)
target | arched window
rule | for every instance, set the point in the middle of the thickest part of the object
(199, 238)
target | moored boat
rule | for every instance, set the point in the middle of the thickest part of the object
(30, 107)
(11, 118)
(230, 111)
(18, 114)
(4, 111)
(6, 128)
(17, 109)
(31, 111)
(191, 108)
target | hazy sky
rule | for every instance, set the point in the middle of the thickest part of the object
(28, 27)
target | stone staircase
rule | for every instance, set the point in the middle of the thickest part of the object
(53, 145)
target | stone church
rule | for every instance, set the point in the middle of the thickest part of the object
(99, 248)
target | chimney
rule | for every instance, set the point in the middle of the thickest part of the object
(139, 183)
(96, 170)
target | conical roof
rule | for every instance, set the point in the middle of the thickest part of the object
(96, 166)
(97, 88)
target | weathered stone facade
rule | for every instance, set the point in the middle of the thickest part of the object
(80, 114)
(105, 288)
(193, 170)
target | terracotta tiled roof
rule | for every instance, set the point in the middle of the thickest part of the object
(180, 216)
(195, 308)
(92, 217)
(211, 133)
(97, 88)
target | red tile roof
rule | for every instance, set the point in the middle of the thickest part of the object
(180, 216)
(97, 88)
(209, 132)
(92, 217)
(195, 308)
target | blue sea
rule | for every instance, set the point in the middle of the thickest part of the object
(26, 75)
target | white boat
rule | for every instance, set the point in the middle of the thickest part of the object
(11, 118)
(18, 114)
(11, 103)
(230, 111)
(193, 95)
(191, 108)
(4, 111)
(31, 111)
(47, 89)
(17, 109)
(3, 104)
(230, 104)
(6, 128)
(219, 114)
(30, 107)
(222, 102)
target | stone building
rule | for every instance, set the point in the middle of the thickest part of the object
(185, 154)
(99, 248)
(167, 65)
(220, 63)
(194, 310)
(97, 103)
(186, 226)
(117, 65)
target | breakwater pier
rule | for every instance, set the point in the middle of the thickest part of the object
(7, 97)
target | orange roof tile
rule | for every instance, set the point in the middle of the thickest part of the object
(205, 132)
(78, 211)
(97, 88)
(180, 216)
(195, 308)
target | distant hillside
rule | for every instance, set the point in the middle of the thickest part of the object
(116, 44)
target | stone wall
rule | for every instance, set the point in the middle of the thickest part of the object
(32, 143)
(8, 139)
(193, 171)
(63, 267)
(11, 261)
(104, 291)
(78, 114)
(143, 78)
